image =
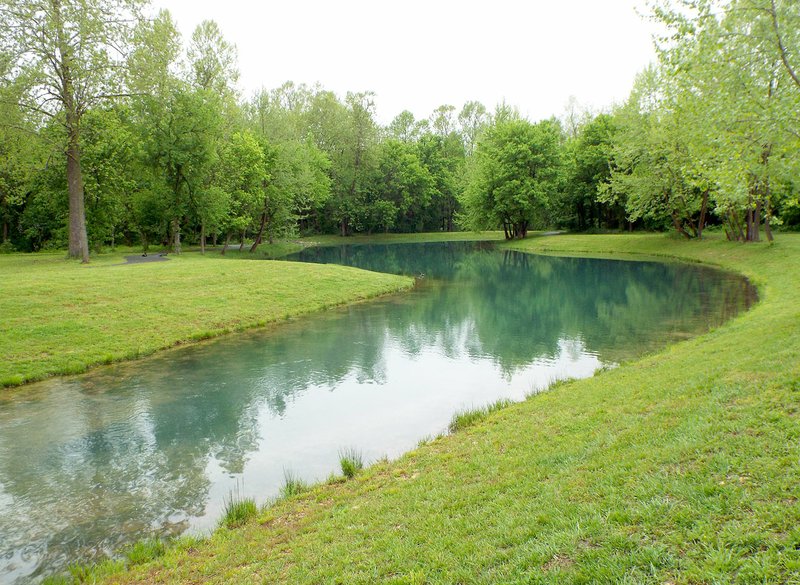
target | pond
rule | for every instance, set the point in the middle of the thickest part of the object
(153, 447)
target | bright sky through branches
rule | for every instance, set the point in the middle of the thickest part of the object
(418, 55)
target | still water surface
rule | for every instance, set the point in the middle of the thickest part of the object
(154, 447)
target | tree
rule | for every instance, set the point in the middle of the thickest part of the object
(69, 55)
(734, 64)
(244, 176)
(153, 59)
(404, 127)
(110, 170)
(212, 59)
(590, 164)
(400, 191)
(443, 158)
(518, 171)
(472, 119)
(180, 147)
(653, 174)
(350, 137)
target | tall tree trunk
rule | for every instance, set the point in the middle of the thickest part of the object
(767, 214)
(176, 235)
(703, 210)
(749, 236)
(203, 237)
(676, 222)
(78, 241)
(260, 233)
(5, 232)
(757, 222)
(227, 241)
(736, 223)
(241, 240)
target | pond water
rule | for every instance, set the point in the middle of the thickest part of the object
(153, 447)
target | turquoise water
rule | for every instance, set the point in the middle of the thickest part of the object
(153, 447)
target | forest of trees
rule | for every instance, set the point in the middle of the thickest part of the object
(114, 130)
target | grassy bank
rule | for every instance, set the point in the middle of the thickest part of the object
(681, 467)
(60, 317)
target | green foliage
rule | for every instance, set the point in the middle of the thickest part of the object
(652, 174)
(351, 461)
(180, 146)
(589, 164)
(730, 71)
(517, 175)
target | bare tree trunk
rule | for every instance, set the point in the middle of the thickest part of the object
(203, 238)
(176, 236)
(767, 214)
(737, 224)
(5, 232)
(757, 222)
(703, 210)
(260, 233)
(677, 224)
(241, 242)
(227, 241)
(78, 241)
(749, 235)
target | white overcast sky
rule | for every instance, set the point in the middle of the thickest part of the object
(418, 55)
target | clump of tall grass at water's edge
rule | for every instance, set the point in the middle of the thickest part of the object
(292, 484)
(238, 510)
(466, 418)
(351, 461)
(145, 551)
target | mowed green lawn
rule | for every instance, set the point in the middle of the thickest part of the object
(61, 317)
(681, 467)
